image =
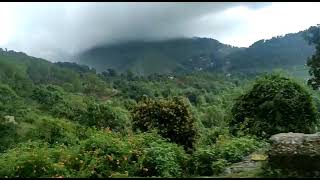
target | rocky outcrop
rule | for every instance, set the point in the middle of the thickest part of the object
(295, 152)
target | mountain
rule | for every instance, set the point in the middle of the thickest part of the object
(22, 73)
(185, 54)
(189, 54)
(277, 52)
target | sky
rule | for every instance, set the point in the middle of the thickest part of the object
(58, 30)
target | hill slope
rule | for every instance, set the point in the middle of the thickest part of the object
(191, 54)
(158, 57)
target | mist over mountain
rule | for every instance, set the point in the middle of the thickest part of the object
(196, 54)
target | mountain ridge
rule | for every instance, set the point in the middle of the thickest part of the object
(197, 53)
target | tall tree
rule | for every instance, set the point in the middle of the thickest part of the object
(313, 37)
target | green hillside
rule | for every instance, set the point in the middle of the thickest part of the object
(158, 57)
(66, 120)
(194, 54)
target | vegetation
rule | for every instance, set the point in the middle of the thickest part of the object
(187, 55)
(67, 120)
(274, 104)
(312, 35)
(172, 118)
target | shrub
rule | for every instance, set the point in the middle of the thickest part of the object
(163, 159)
(102, 154)
(8, 134)
(172, 118)
(212, 160)
(274, 104)
(209, 136)
(48, 95)
(144, 155)
(103, 115)
(7, 95)
(235, 149)
(54, 131)
(35, 159)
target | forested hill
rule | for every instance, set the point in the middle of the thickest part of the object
(158, 57)
(277, 52)
(191, 54)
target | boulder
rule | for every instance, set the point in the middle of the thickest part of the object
(295, 152)
(249, 163)
(10, 119)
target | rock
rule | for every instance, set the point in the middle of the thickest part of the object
(249, 163)
(295, 152)
(258, 157)
(10, 119)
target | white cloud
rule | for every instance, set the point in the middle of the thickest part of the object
(55, 30)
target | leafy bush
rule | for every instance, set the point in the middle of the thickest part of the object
(163, 159)
(55, 131)
(48, 95)
(102, 154)
(10, 102)
(172, 118)
(274, 104)
(211, 160)
(209, 136)
(7, 95)
(103, 115)
(36, 159)
(8, 134)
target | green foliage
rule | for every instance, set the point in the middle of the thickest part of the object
(212, 160)
(7, 95)
(36, 159)
(172, 118)
(8, 134)
(105, 115)
(185, 55)
(103, 154)
(209, 136)
(313, 37)
(54, 131)
(72, 122)
(274, 104)
(163, 159)
(48, 95)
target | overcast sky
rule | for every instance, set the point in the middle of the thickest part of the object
(55, 30)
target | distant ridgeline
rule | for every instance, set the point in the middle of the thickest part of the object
(196, 54)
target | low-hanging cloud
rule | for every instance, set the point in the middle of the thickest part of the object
(58, 30)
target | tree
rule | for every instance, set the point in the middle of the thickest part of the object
(48, 95)
(172, 118)
(7, 95)
(104, 115)
(274, 104)
(312, 35)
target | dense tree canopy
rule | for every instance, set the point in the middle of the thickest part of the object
(274, 104)
(313, 37)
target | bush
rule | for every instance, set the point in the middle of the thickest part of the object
(55, 131)
(8, 134)
(7, 95)
(212, 160)
(145, 155)
(105, 115)
(274, 104)
(163, 159)
(48, 95)
(209, 136)
(35, 159)
(172, 118)
(102, 154)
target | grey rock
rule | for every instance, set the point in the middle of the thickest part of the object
(295, 151)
